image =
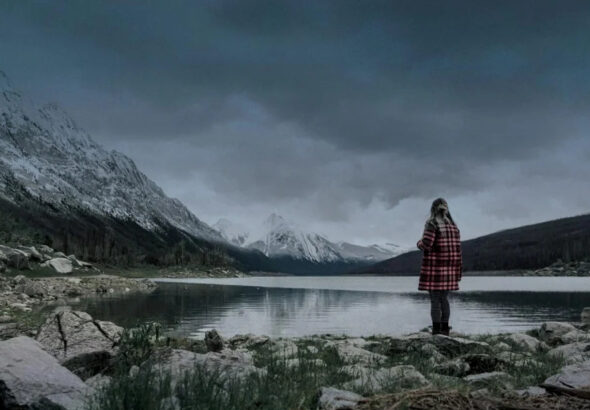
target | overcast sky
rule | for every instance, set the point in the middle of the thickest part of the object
(346, 117)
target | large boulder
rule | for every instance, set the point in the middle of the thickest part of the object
(213, 341)
(15, 258)
(573, 352)
(551, 332)
(31, 252)
(80, 343)
(30, 378)
(526, 342)
(60, 265)
(575, 376)
(334, 399)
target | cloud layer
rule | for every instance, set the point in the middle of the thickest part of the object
(347, 116)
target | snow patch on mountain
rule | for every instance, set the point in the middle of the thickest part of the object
(284, 238)
(43, 149)
(231, 232)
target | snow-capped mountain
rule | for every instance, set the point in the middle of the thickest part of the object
(285, 239)
(282, 238)
(231, 232)
(369, 253)
(44, 150)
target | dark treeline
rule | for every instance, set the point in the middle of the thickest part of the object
(528, 247)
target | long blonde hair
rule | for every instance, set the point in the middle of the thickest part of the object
(439, 211)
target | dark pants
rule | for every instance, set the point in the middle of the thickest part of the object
(440, 310)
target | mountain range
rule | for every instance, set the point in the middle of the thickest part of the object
(58, 186)
(283, 238)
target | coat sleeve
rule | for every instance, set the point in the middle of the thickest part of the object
(428, 237)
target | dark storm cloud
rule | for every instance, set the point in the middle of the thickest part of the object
(339, 101)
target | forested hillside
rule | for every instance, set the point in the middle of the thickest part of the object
(527, 247)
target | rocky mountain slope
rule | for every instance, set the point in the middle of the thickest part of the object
(58, 162)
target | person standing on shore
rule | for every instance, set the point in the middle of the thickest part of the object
(442, 263)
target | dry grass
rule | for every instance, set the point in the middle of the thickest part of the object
(455, 400)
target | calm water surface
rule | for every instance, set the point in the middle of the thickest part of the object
(296, 306)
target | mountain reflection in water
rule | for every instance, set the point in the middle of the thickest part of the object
(191, 309)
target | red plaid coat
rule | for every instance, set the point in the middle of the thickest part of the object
(442, 264)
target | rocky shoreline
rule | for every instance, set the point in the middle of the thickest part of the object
(90, 362)
(22, 298)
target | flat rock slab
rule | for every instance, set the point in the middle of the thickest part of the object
(352, 354)
(376, 380)
(227, 364)
(80, 343)
(334, 399)
(60, 265)
(32, 378)
(575, 376)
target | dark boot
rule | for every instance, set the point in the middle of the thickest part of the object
(444, 328)
(435, 328)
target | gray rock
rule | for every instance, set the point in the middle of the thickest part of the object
(482, 363)
(376, 380)
(230, 365)
(532, 391)
(45, 249)
(59, 255)
(248, 340)
(352, 354)
(575, 336)
(32, 378)
(455, 367)
(213, 341)
(2, 266)
(453, 346)
(284, 349)
(551, 332)
(17, 259)
(585, 316)
(60, 265)
(98, 381)
(80, 343)
(31, 252)
(334, 399)
(491, 378)
(575, 376)
(573, 352)
(502, 347)
(32, 289)
(526, 342)
(8, 330)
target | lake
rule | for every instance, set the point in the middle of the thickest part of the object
(352, 305)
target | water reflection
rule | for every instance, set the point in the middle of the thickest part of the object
(191, 309)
